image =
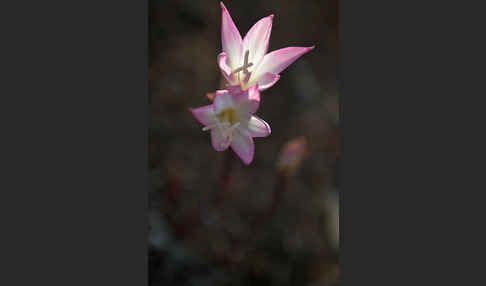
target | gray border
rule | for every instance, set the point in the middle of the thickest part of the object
(76, 163)
(397, 62)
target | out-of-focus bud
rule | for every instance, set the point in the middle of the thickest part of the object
(292, 155)
(210, 96)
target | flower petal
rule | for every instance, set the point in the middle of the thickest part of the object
(225, 68)
(254, 93)
(243, 146)
(222, 100)
(267, 80)
(276, 61)
(204, 114)
(248, 100)
(257, 127)
(235, 89)
(230, 39)
(257, 38)
(219, 142)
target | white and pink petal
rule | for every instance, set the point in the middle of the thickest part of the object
(225, 68)
(232, 43)
(204, 114)
(257, 127)
(222, 100)
(219, 141)
(257, 39)
(243, 146)
(267, 80)
(248, 100)
(277, 61)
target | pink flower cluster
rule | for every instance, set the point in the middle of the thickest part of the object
(248, 69)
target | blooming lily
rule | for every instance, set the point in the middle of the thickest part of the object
(231, 121)
(245, 62)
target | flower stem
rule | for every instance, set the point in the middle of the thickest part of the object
(280, 188)
(226, 172)
(277, 195)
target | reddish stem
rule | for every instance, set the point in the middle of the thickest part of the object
(173, 189)
(226, 178)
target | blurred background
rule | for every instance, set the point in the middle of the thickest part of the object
(213, 220)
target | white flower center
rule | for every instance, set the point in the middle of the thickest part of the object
(227, 122)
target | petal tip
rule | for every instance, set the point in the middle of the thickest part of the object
(195, 114)
(244, 148)
(222, 5)
(217, 142)
(245, 159)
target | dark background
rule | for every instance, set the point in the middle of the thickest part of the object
(199, 237)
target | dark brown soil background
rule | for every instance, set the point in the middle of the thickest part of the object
(264, 230)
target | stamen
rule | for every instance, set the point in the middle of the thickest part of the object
(244, 68)
(229, 131)
(226, 132)
(235, 125)
(219, 124)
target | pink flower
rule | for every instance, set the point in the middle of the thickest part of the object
(246, 62)
(231, 121)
